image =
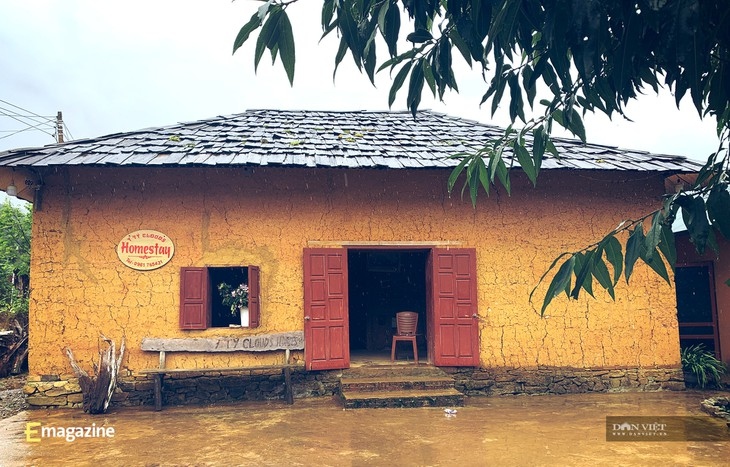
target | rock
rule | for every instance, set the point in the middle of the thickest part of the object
(39, 400)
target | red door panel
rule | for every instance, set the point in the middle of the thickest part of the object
(455, 328)
(326, 331)
(194, 306)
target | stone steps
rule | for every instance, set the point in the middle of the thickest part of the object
(395, 383)
(398, 386)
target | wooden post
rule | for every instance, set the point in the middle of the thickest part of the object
(59, 127)
(158, 391)
(287, 382)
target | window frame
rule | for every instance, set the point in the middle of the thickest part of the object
(196, 297)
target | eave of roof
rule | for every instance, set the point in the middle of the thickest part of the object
(355, 139)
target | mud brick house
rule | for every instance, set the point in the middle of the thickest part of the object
(334, 221)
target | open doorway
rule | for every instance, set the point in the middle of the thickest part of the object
(696, 307)
(381, 283)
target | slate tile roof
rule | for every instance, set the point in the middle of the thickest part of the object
(358, 139)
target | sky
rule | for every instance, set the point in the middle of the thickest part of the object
(114, 66)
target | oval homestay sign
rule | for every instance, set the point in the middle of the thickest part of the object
(145, 250)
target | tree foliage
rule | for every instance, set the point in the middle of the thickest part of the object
(586, 55)
(15, 225)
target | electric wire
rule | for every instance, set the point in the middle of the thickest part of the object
(32, 120)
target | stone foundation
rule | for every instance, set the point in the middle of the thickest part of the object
(552, 380)
(53, 391)
(184, 389)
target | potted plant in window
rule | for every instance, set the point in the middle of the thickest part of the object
(236, 299)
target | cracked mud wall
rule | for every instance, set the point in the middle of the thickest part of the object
(266, 216)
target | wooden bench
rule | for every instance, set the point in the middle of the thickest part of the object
(287, 341)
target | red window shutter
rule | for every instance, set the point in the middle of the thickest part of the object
(254, 296)
(194, 298)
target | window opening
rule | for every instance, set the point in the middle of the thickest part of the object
(231, 282)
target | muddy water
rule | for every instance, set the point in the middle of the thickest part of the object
(537, 430)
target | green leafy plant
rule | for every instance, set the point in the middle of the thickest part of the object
(15, 225)
(234, 298)
(579, 57)
(701, 363)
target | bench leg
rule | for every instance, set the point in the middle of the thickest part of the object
(289, 394)
(158, 391)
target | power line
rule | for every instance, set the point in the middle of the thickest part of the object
(32, 125)
(20, 108)
(67, 131)
(51, 126)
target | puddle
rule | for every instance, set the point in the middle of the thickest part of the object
(527, 430)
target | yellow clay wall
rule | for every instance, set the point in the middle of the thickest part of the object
(266, 216)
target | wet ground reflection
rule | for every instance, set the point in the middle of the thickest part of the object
(537, 430)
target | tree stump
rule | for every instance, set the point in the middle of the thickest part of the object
(98, 388)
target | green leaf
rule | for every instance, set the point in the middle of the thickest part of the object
(718, 208)
(576, 126)
(539, 142)
(727, 282)
(583, 266)
(396, 60)
(523, 157)
(560, 283)
(667, 247)
(274, 22)
(382, 15)
(653, 236)
(370, 62)
(392, 29)
(694, 215)
(415, 87)
(633, 249)
(461, 46)
(503, 176)
(516, 104)
(476, 175)
(348, 27)
(253, 24)
(327, 13)
(398, 82)
(259, 52)
(655, 262)
(615, 257)
(269, 35)
(428, 74)
(286, 47)
(550, 147)
(455, 173)
(600, 271)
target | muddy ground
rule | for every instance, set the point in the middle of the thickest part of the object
(503, 431)
(12, 399)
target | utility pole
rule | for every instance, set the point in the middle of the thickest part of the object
(59, 127)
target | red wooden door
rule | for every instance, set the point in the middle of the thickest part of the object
(326, 328)
(455, 327)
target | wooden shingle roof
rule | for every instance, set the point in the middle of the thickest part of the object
(357, 139)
